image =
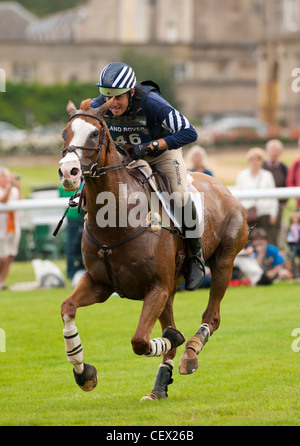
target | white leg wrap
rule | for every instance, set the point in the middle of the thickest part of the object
(73, 347)
(159, 346)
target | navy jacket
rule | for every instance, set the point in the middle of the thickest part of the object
(150, 117)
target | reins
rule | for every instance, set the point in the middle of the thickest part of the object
(96, 172)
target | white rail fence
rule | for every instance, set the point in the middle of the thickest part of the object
(49, 210)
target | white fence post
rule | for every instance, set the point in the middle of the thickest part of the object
(61, 203)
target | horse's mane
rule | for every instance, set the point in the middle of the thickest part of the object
(85, 105)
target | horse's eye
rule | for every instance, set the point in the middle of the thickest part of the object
(95, 134)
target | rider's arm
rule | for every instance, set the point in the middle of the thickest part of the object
(159, 111)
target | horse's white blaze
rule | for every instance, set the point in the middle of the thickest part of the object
(81, 131)
(70, 157)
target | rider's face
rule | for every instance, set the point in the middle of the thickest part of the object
(120, 103)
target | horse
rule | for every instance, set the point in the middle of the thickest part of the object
(139, 263)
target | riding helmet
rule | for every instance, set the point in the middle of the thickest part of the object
(117, 78)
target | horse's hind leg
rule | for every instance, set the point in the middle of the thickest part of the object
(221, 264)
(84, 294)
(164, 374)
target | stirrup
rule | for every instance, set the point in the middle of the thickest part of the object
(193, 283)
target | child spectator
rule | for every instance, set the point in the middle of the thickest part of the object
(268, 257)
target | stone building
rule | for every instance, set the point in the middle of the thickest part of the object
(213, 47)
(279, 62)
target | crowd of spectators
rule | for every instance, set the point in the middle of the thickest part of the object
(272, 252)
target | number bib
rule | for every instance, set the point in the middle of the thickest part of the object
(124, 130)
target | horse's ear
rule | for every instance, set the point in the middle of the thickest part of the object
(104, 108)
(71, 109)
(85, 105)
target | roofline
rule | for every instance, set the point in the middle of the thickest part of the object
(18, 8)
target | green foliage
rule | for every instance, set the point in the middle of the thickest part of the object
(155, 68)
(41, 7)
(29, 105)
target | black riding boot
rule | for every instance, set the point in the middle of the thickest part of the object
(196, 265)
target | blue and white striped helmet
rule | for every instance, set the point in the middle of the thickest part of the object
(117, 78)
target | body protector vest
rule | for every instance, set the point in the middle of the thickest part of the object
(135, 127)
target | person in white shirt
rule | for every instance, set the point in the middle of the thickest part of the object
(10, 230)
(255, 177)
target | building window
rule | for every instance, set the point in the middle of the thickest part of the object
(291, 15)
(24, 73)
(171, 32)
(182, 71)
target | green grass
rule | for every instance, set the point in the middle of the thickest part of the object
(248, 373)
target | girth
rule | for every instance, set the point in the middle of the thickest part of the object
(105, 251)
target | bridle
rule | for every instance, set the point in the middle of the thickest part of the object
(94, 171)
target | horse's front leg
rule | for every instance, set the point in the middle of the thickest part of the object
(86, 293)
(153, 306)
(165, 369)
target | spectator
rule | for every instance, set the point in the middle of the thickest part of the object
(10, 230)
(293, 177)
(73, 240)
(255, 177)
(279, 170)
(246, 262)
(293, 241)
(268, 257)
(294, 232)
(197, 158)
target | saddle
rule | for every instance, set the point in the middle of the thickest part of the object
(163, 182)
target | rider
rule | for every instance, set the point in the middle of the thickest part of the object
(139, 116)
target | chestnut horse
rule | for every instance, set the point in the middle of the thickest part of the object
(137, 263)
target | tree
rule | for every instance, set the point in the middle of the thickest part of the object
(41, 7)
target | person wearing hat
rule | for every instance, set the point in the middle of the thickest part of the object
(255, 177)
(139, 117)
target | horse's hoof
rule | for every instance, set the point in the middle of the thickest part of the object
(188, 363)
(150, 397)
(88, 379)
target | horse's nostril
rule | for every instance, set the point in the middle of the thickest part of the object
(74, 172)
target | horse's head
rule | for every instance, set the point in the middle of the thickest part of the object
(85, 137)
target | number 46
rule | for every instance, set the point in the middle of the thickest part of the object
(134, 139)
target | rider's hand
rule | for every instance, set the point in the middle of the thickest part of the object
(140, 150)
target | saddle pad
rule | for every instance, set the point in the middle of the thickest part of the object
(197, 198)
(195, 195)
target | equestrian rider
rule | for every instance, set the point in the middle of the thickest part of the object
(140, 117)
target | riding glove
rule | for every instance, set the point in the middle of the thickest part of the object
(140, 150)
